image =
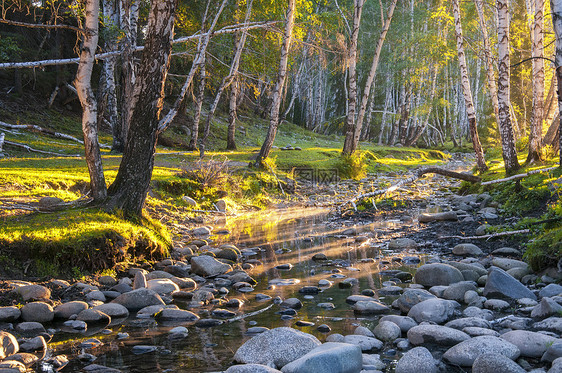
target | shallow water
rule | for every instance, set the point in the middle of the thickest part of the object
(278, 237)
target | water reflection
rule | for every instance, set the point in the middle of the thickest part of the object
(269, 239)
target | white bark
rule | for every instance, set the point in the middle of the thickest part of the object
(88, 101)
(535, 128)
(556, 8)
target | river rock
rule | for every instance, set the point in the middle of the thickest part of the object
(417, 360)
(440, 216)
(553, 352)
(361, 330)
(139, 298)
(506, 251)
(12, 366)
(495, 363)
(162, 286)
(276, 347)
(96, 368)
(371, 307)
(457, 290)
(390, 290)
(65, 310)
(201, 231)
(402, 244)
(434, 310)
(467, 249)
(387, 331)
(9, 314)
(207, 266)
(411, 297)
(139, 281)
(405, 323)
(502, 284)
(547, 307)
(476, 267)
(38, 312)
(550, 290)
(506, 263)
(366, 343)
(30, 328)
(435, 334)
(474, 331)
(8, 344)
(33, 292)
(173, 314)
(473, 311)
(468, 322)
(113, 310)
(530, 344)
(293, 303)
(34, 344)
(437, 274)
(496, 304)
(93, 316)
(466, 352)
(552, 324)
(25, 358)
(251, 368)
(328, 358)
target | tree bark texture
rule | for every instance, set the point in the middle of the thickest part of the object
(354, 141)
(537, 114)
(277, 90)
(198, 107)
(504, 121)
(352, 75)
(232, 107)
(469, 104)
(128, 191)
(88, 101)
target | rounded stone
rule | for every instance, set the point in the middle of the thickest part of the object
(38, 312)
(495, 363)
(417, 360)
(387, 331)
(9, 314)
(8, 345)
(437, 274)
(65, 310)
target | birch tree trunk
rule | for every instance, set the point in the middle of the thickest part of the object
(198, 107)
(535, 128)
(490, 75)
(471, 113)
(276, 102)
(232, 107)
(370, 78)
(128, 191)
(504, 120)
(88, 101)
(556, 8)
(239, 43)
(348, 148)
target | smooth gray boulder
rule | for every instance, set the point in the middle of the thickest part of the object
(173, 314)
(417, 360)
(552, 324)
(550, 290)
(328, 358)
(507, 264)
(163, 286)
(276, 347)
(405, 323)
(530, 344)
(37, 312)
(8, 345)
(138, 299)
(434, 310)
(435, 334)
(411, 297)
(402, 244)
(366, 343)
(457, 290)
(207, 266)
(439, 216)
(387, 331)
(9, 314)
(469, 322)
(113, 310)
(479, 269)
(546, 308)
(466, 352)
(251, 368)
(371, 307)
(502, 284)
(495, 363)
(65, 310)
(437, 274)
(553, 352)
(33, 292)
(467, 249)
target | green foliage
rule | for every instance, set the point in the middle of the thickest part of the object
(9, 49)
(352, 166)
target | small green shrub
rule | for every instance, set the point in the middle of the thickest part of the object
(352, 166)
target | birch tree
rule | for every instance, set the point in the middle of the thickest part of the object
(352, 76)
(469, 104)
(556, 8)
(537, 114)
(277, 90)
(128, 191)
(504, 120)
(88, 100)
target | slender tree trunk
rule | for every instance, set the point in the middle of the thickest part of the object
(471, 113)
(127, 75)
(490, 76)
(198, 107)
(348, 148)
(128, 191)
(556, 8)
(354, 141)
(535, 130)
(239, 43)
(276, 102)
(506, 131)
(88, 100)
(232, 106)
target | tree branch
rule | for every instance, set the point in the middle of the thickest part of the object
(487, 236)
(30, 149)
(519, 176)
(39, 25)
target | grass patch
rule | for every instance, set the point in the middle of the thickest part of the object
(85, 239)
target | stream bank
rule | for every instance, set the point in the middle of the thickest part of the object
(301, 268)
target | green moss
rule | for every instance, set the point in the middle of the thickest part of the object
(545, 250)
(88, 240)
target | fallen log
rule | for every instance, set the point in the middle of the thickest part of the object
(487, 236)
(417, 175)
(30, 149)
(519, 176)
(32, 127)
